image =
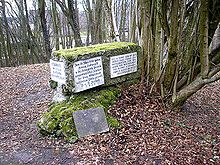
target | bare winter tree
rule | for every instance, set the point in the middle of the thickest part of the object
(6, 42)
(95, 17)
(19, 43)
(71, 13)
(55, 19)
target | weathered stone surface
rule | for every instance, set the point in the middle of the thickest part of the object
(90, 122)
(117, 53)
(58, 94)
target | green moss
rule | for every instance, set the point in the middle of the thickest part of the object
(53, 84)
(58, 121)
(72, 53)
(113, 122)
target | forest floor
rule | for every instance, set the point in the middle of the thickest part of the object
(150, 134)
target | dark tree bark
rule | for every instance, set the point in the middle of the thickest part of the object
(95, 18)
(73, 14)
(41, 6)
(203, 31)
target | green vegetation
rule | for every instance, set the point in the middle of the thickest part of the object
(53, 84)
(58, 121)
(113, 122)
(71, 53)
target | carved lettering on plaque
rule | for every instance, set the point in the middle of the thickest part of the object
(88, 73)
(57, 71)
(123, 64)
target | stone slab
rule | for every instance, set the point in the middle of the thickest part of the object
(90, 122)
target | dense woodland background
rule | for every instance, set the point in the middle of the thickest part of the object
(180, 39)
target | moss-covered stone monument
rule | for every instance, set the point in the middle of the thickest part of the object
(97, 65)
(88, 77)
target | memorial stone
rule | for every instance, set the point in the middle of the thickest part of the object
(90, 122)
(79, 69)
(97, 65)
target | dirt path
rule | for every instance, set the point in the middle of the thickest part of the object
(150, 134)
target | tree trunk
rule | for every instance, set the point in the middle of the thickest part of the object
(73, 15)
(146, 37)
(55, 24)
(123, 20)
(157, 46)
(133, 22)
(41, 6)
(109, 7)
(172, 47)
(203, 29)
(8, 51)
(114, 23)
(4, 57)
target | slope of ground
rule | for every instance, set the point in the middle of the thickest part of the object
(150, 134)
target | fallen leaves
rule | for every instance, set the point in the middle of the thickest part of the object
(151, 135)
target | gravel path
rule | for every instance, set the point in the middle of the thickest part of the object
(150, 135)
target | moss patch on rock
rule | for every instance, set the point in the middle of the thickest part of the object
(73, 53)
(53, 84)
(58, 121)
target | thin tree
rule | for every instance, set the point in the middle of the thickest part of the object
(42, 10)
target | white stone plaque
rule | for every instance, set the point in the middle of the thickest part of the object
(57, 70)
(88, 73)
(123, 64)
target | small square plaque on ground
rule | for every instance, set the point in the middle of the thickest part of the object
(90, 121)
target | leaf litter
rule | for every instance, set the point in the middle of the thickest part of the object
(150, 134)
